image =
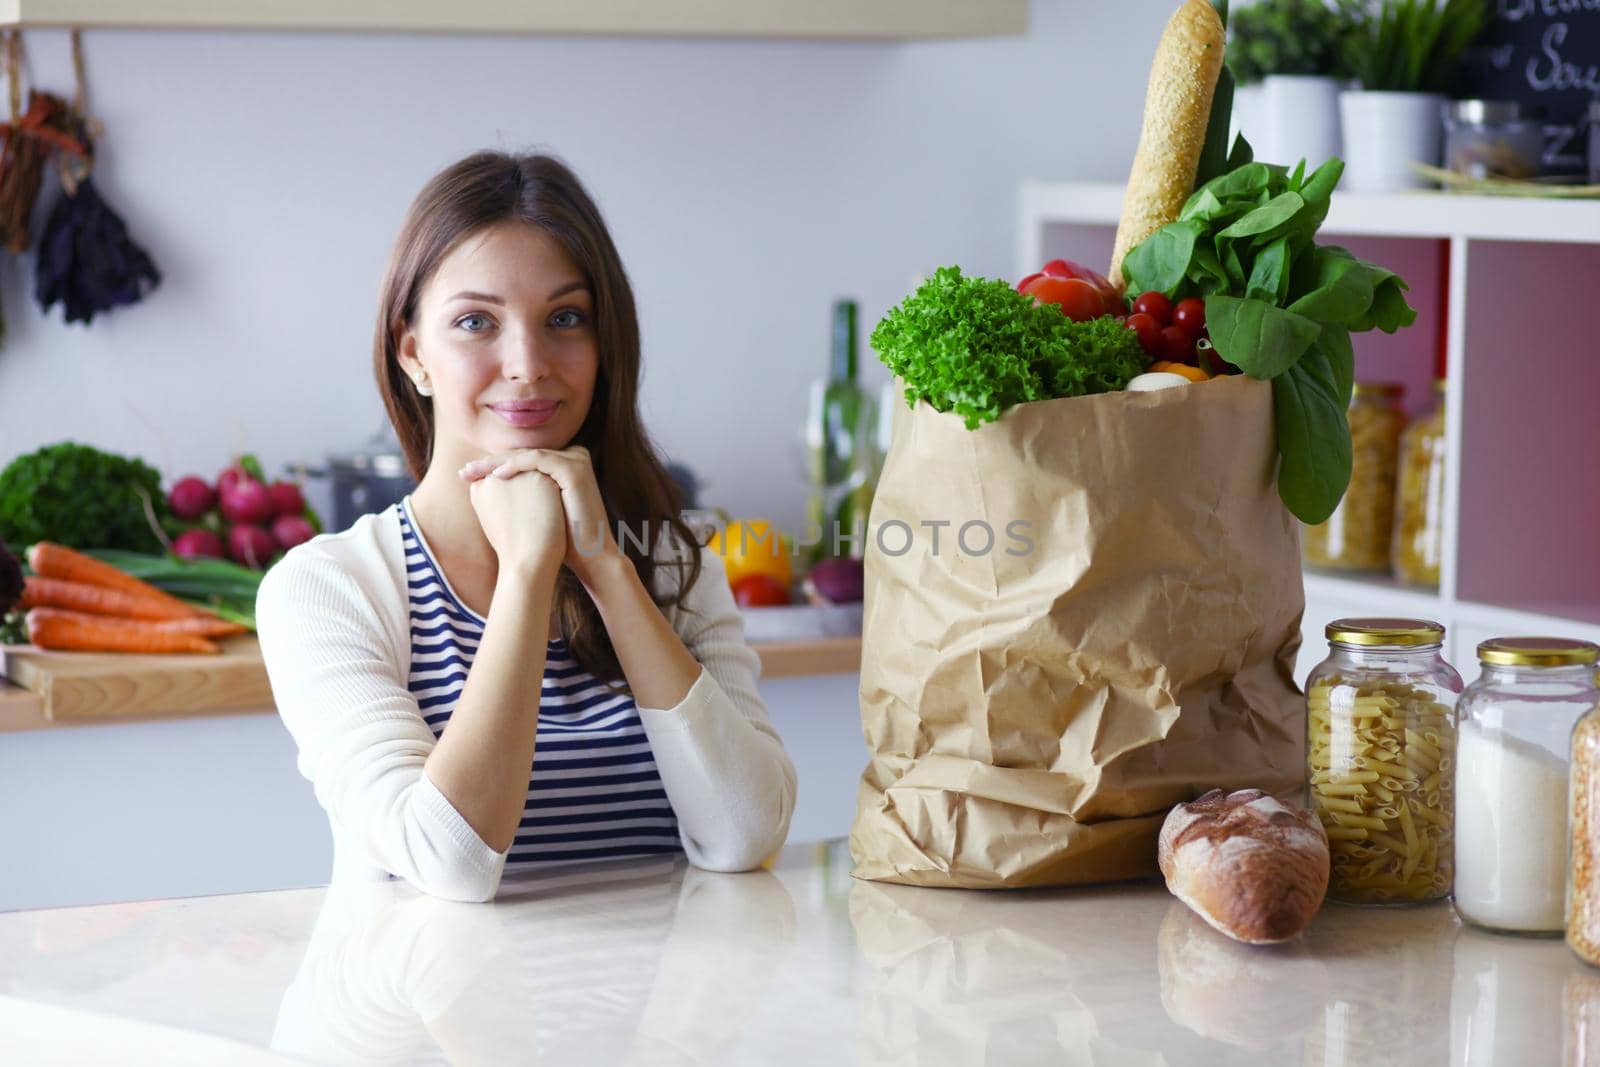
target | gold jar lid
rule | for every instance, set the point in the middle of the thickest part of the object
(1387, 390)
(1538, 652)
(1394, 633)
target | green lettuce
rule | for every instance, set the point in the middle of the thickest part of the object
(975, 346)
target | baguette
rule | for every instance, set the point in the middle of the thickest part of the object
(1177, 109)
(1251, 867)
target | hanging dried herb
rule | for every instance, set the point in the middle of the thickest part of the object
(86, 260)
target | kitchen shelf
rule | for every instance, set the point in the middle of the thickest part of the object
(1420, 214)
(1506, 282)
(863, 19)
(85, 689)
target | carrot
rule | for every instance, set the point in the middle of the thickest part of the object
(40, 592)
(62, 630)
(200, 627)
(50, 560)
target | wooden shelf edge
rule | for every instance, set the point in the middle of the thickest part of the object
(20, 709)
(838, 19)
(796, 659)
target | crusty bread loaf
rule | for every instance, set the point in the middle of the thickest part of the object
(1249, 865)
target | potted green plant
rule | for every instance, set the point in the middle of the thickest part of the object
(1404, 54)
(1287, 57)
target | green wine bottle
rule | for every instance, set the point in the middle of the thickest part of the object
(839, 434)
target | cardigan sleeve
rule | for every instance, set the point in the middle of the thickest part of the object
(361, 737)
(731, 784)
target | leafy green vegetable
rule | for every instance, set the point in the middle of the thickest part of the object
(1410, 45)
(81, 497)
(1287, 37)
(1280, 307)
(975, 346)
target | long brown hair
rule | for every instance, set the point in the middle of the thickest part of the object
(491, 187)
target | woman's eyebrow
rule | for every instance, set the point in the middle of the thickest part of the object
(490, 298)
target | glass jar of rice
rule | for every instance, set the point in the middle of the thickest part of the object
(1381, 741)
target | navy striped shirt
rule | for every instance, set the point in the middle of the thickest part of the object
(593, 789)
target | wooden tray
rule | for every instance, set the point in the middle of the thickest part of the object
(106, 686)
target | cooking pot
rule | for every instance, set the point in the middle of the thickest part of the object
(365, 480)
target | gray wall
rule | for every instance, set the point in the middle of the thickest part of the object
(747, 184)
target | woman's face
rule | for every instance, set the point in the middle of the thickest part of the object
(506, 321)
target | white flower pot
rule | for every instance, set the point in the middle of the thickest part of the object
(1300, 114)
(1249, 103)
(1384, 133)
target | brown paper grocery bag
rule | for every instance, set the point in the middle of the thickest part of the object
(1126, 643)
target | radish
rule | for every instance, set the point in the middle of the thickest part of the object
(835, 581)
(199, 543)
(291, 530)
(229, 478)
(246, 501)
(286, 499)
(191, 498)
(251, 545)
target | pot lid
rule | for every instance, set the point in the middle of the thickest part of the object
(379, 455)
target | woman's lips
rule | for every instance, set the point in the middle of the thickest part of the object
(525, 417)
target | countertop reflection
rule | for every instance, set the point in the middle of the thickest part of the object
(655, 962)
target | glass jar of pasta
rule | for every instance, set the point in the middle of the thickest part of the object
(1381, 740)
(1511, 777)
(1419, 502)
(1357, 536)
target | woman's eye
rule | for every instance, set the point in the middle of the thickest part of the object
(474, 317)
(567, 318)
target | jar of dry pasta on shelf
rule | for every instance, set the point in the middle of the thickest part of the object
(1381, 741)
(1419, 502)
(1357, 536)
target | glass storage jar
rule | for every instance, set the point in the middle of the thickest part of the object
(1511, 781)
(1493, 138)
(1419, 503)
(1583, 806)
(1357, 536)
(1381, 740)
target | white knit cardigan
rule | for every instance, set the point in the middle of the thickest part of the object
(333, 617)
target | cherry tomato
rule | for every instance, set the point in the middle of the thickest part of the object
(1156, 305)
(759, 590)
(1078, 300)
(1177, 344)
(1149, 331)
(1022, 286)
(1190, 314)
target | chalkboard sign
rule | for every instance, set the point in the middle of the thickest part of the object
(1544, 52)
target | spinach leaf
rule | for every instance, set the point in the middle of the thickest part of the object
(1269, 276)
(1313, 437)
(1278, 305)
(1161, 260)
(1260, 339)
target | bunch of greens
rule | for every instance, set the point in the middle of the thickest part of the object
(975, 346)
(11, 585)
(81, 497)
(1280, 307)
(1410, 46)
(1287, 37)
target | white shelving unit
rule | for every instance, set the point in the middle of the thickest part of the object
(1515, 298)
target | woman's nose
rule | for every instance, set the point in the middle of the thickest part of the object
(524, 357)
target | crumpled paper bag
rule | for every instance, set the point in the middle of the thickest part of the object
(1127, 642)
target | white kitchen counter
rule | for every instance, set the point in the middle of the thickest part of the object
(657, 963)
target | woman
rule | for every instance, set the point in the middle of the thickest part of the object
(537, 592)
